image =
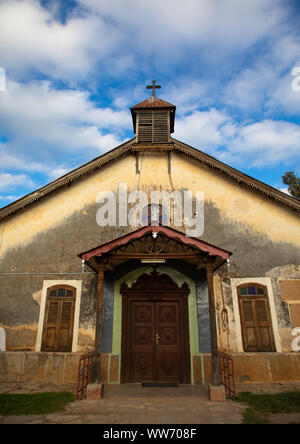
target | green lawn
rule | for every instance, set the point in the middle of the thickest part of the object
(35, 404)
(260, 407)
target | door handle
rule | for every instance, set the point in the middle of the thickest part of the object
(157, 338)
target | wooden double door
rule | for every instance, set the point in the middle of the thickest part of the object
(155, 346)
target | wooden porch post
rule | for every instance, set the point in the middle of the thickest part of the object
(98, 338)
(216, 380)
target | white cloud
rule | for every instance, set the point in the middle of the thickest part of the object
(284, 190)
(9, 181)
(46, 124)
(211, 54)
(31, 38)
(9, 198)
(259, 144)
(268, 143)
(203, 129)
(114, 36)
(157, 25)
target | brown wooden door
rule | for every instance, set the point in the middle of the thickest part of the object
(155, 346)
(155, 331)
(59, 320)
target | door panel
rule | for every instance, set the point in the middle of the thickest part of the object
(168, 343)
(142, 344)
(154, 342)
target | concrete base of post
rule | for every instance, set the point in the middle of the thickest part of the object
(94, 391)
(217, 393)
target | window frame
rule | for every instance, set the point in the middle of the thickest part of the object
(41, 296)
(60, 300)
(256, 297)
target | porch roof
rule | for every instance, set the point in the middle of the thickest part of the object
(194, 245)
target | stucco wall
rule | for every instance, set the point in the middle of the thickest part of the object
(42, 242)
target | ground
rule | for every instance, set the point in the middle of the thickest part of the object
(132, 404)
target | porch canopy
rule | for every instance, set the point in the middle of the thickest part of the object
(158, 244)
(154, 243)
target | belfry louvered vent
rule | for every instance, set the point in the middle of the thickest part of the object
(153, 127)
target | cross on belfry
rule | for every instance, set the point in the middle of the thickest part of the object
(153, 87)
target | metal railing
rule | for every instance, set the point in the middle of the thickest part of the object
(227, 373)
(85, 373)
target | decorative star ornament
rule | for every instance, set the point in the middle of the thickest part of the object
(154, 235)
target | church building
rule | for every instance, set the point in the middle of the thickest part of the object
(157, 290)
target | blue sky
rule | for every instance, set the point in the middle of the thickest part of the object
(73, 69)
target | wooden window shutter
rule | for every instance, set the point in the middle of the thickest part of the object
(153, 126)
(256, 322)
(145, 127)
(59, 320)
(160, 127)
(290, 289)
(50, 326)
(248, 326)
(295, 315)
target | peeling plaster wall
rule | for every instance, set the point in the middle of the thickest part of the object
(42, 242)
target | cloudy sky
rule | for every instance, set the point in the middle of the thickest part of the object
(73, 69)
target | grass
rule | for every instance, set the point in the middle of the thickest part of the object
(35, 404)
(260, 407)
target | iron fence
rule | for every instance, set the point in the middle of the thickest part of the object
(85, 372)
(227, 373)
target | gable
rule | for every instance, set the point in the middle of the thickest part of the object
(233, 202)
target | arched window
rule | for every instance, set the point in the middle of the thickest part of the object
(155, 215)
(59, 319)
(256, 321)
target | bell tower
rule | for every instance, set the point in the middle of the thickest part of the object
(153, 119)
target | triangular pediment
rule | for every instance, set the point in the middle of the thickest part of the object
(154, 243)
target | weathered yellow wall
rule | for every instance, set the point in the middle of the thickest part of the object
(241, 208)
(235, 202)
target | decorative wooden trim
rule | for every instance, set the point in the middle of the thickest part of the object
(196, 244)
(154, 283)
(126, 148)
(152, 147)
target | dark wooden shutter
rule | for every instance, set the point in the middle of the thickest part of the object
(153, 127)
(145, 127)
(59, 320)
(160, 127)
(256, 322)
(295, 315)
(263, 323)
(50, 326)
(248, 326)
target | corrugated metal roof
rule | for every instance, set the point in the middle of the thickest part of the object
(153, 102)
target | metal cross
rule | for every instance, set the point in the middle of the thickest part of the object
(153, 87)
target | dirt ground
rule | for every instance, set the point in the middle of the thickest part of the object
(133, 404)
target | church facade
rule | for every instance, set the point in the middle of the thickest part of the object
(155, 300)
